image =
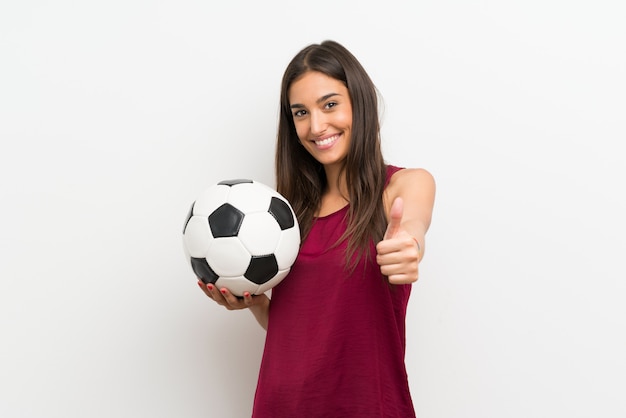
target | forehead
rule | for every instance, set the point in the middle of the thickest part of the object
(313, 85)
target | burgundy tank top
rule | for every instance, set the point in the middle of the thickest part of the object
(335, 341)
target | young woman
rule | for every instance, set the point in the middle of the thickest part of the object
(335, 341)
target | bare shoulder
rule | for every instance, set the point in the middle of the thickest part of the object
(410, 180)
(416, 187)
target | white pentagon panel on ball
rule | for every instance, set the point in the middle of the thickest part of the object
(228, 257)
(273, 281)
(288, 246)
(237, 285)
(259, 233)
(186, 251)
(210, 199)
(250, 197)
(274, 193)
(197, 236)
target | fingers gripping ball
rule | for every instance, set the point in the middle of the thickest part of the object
(242, 235)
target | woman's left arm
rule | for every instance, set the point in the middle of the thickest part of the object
(408, 200)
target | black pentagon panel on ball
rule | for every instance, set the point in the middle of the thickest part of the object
(281, 212)
(262, 269)
(225, 221)
(203, 270)
(234, 182)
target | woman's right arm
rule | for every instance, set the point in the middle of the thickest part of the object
(259, 305)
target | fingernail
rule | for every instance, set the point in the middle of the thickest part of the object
(223, 291)
(209, 286)
(246, 294)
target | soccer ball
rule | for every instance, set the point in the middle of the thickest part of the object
(241, 235)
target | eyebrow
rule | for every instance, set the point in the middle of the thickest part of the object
(320, 100)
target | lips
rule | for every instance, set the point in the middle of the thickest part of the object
(326, 142)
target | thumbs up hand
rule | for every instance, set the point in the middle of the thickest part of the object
(395, 215)
(398, 252)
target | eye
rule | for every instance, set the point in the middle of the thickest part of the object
(330, 105)
(299, 113)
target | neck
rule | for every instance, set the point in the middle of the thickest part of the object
(335, 196)
(336, 181)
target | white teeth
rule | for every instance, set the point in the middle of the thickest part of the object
(326, 141)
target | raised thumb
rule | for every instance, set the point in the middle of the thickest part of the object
(395, 218)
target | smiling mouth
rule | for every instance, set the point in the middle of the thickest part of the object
(326, 141)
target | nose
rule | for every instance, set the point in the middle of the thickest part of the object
(318, 123)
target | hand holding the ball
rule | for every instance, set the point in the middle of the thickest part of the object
(398, 254)
(258, 304)
(227, 299)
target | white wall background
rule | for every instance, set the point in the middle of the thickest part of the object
(115, 115)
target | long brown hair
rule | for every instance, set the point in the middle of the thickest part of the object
(302, 179)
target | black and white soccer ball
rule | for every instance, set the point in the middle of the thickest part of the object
(242, 235)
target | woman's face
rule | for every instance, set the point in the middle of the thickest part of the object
(322, 114)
